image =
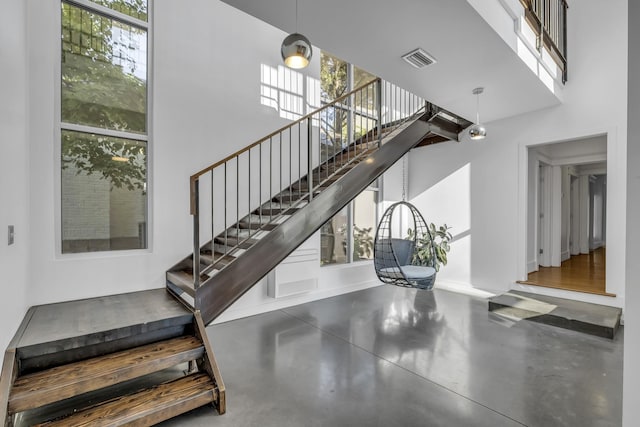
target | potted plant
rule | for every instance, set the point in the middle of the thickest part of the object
(426, 246)
(362, 243)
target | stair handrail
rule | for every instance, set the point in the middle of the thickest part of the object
(336, 101)
(321, 142)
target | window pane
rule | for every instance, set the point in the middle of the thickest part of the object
(134, 8)
(333, 77)
(333, 239)
(364, 225)
(104, 200)
(104, 72)
(361, 77)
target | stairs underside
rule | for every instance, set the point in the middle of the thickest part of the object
(234, 275)
(155, 362)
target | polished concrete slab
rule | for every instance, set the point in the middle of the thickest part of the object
(81, 318)
(594, 319)
(392, 356)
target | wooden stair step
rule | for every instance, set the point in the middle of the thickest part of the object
(147, 407)
(52, 385)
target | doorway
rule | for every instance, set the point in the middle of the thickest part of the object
(567, 216)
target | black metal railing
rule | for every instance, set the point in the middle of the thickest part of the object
(548, 18)
(237, 204)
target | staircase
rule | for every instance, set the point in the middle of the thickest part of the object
(258, 205)
(141, 358)
(141, 367)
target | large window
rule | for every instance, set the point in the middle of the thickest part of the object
(348, 236)
(103, 121)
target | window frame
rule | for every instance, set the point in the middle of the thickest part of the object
(376, 186)
(61, 126)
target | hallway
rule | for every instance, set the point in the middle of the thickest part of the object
(581, 273)
(391, 356)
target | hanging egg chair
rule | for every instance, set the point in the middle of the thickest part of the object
(404, 258)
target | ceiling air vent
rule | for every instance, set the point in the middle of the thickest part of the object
(419, 58)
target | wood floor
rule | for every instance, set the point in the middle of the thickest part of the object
(582, 273)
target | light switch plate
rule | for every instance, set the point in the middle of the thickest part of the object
(11, 235)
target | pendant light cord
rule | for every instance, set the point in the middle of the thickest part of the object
(477, 108)
(296, 16)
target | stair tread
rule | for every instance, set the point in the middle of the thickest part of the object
(220, 258)
(147, 407)
(184, 280)
(51, 385)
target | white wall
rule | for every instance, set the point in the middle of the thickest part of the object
(205, 105)
(208, 62)
(631, 378)
(566, 213)
(594, 104)
(598, 211)
(14, 167)
(533, 182)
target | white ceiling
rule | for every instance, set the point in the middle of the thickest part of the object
(374, 34)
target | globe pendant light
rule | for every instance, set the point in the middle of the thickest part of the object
(296, 49)
(477, 131)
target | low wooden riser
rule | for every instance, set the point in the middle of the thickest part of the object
(51, 385)
(147, 407)
(140, 385)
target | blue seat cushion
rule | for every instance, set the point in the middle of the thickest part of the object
(415, 272)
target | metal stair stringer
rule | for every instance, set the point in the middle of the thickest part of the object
(241, 275)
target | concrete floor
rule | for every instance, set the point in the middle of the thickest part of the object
(391, 356)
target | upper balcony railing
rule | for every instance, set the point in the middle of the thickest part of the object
(548, 18)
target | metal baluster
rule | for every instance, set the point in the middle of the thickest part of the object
(249, 191)
(226, 228)
(280, 171)
(299, 159)
(270, 179)
(310, 157)
(379, 108)
(260, 184)
(290, 166)
(238, 200)
(320, 162)
(213, 257)
(196, 234)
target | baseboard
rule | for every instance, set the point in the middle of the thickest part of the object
(532, 266)
(284, 302)
(565, 256)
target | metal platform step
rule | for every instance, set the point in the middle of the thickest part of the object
(593, 319)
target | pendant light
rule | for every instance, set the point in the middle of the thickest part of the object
(477, 131)
(296, 49)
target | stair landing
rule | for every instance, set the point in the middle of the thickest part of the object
(67, 331)
(593, 319)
